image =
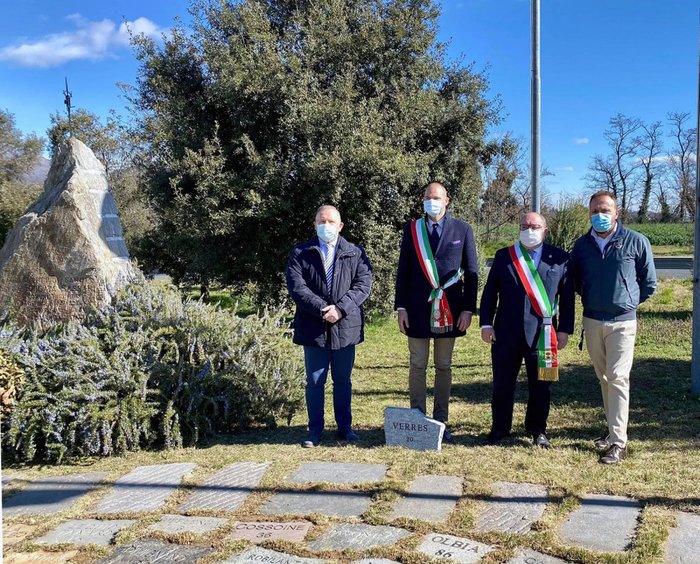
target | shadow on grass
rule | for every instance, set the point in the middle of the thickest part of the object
(682, 315)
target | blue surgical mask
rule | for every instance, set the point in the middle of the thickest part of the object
(326, 232)
(602, 222)
(433, 207)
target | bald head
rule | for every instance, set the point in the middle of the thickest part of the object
(433, 188)
(531, 219)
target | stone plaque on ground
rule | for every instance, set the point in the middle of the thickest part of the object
(181, 524)
(358, 537)
(513, 509)
(430, 498)
(258, 531)
(458, 549)
(410, 428)
(683, 544)
(40, 557)
(603, 522)
(50, 495)
(338, 472)
(375, 561)
(155, 552)
(16, 533)
(227, 489)
(145, 488)
(529, 556)
(335, 504)
(258, 554)
(85, 531)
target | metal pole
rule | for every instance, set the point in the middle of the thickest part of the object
(695, 359)
(535, 88)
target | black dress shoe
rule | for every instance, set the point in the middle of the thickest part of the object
(495, 436)
(447, 436)
(349, 436)
(541, 440)
(613, 455)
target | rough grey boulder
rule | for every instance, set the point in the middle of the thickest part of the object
(66, 254)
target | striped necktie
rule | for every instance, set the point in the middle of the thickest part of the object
(328, 266)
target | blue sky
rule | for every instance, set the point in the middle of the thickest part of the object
(599, 57)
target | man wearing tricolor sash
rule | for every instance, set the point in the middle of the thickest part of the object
(526, 314)
(436, 287)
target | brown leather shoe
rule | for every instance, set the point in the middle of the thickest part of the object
(613, 455)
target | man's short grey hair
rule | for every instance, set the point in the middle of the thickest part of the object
(327, 207)
(542, 218)
(435, 183)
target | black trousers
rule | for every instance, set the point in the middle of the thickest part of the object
(506, 361)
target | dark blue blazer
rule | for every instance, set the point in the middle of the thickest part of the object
(505, 305)
(306, 282)
(456, 249)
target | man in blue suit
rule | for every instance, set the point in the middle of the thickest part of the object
(514, 324)
(436, 286)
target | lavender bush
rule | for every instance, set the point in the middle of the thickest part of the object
(150, 371)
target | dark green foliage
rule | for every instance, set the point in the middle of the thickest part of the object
(671, 234)
(566, 224)
(268, 108)
(152, 370)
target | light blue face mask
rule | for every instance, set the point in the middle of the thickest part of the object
(433, 207)
(602, 222)
(326, 232)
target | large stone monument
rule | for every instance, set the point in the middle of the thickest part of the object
(66, 255)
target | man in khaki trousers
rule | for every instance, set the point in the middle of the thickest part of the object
(436, 286)
(613, 270)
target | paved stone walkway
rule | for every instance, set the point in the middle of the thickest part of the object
(602, 523)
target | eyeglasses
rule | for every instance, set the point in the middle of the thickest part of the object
(533, 226)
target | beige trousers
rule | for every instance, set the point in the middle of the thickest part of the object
(610, 345)
(419, 350)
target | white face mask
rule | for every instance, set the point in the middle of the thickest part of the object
(433, 207)
(326, 232)
(531, 238)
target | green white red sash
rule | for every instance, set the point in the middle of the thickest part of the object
(547, 362)
(442, 320)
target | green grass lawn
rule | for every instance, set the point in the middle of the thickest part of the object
(662, 471)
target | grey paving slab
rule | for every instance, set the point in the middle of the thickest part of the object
(457, 549)
(85, 531)
(683, 545)
(338, 472)
(227, 489)
(182, 524)
(259, 531)
(51, 495)
(602, 522)
(154, 551)
(430, 498)
(375, 561)
(258, 554)
(529, 556)
(358, 537)
(513, 508)
(335, 504)
(145, 488)
(410, 428)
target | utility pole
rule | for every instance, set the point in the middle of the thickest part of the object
(695, 358)
(67, 95)
(535, 91)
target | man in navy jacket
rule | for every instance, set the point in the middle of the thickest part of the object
(451, 244)
(511, 326)
(328, 279)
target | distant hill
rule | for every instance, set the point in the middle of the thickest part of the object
(38, 174)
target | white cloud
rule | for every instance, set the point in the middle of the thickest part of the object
(564, 169)
(90, 40)
(581, 140)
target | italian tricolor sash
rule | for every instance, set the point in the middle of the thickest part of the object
(442, 320)
(547, 362)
